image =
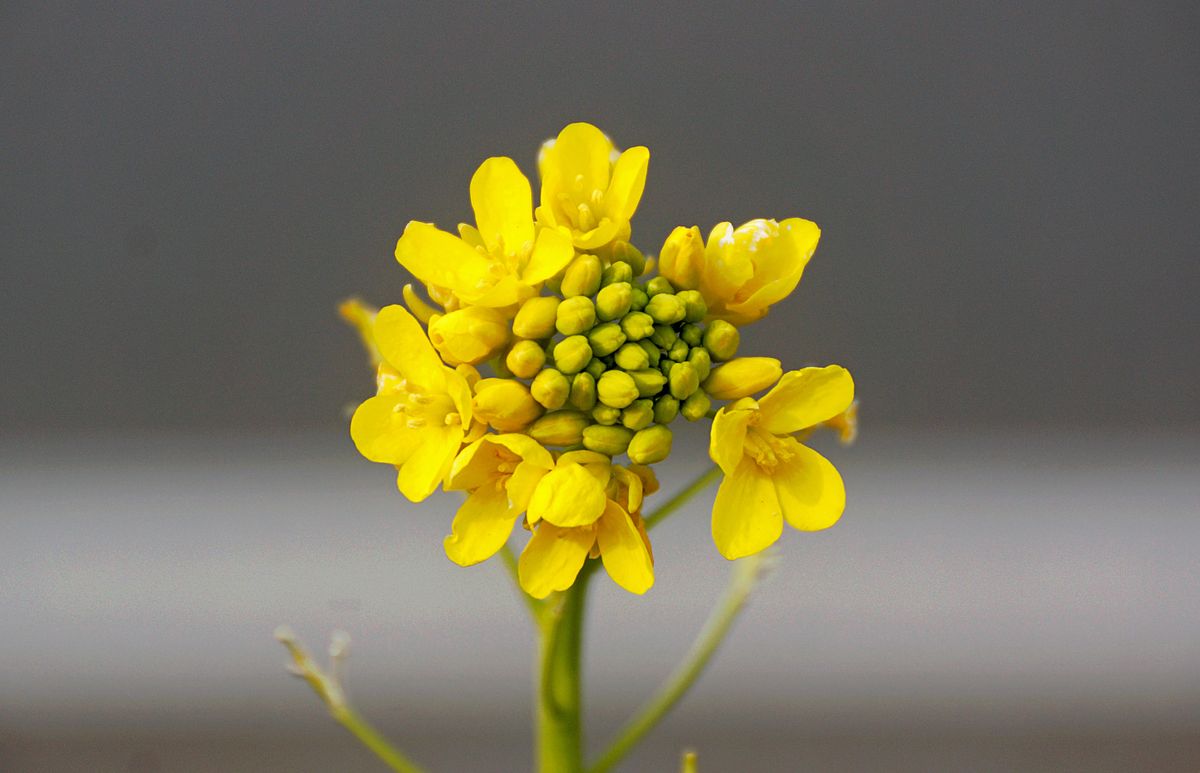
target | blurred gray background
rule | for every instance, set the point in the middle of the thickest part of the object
(1008, 198)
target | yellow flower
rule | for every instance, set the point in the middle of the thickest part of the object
(556, 553)
(769, 475)
(500, 472)
(503, 260)
(588, 188)
(422, 413)
(468, 336)
(743, 270)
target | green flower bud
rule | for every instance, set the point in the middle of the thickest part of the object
(695, 407)
(596, 366)
(649, 382)
(632, 357)
(721, 339)
(582, 276)
(525, 359)
(652, 351)
(637, 325)
(666, 309)
(650, 445)
(614, 300)
(664, 336)
(693, 334)
(666, 365)
(572, 354)
(606, 414)
(639, 299)
(607, 440)
(550, 388)
(583, 391)
(659, 285)
(679, 350)
(606, 339)
(616, 388)
(684, 381)
(666, 408)
(561, 428)
(701, 360)
(617, 272)
(575, 315)
(536, 318)
(639, 415)
(624, 252)
(694, 305)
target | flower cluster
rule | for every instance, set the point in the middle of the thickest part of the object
(542, 374)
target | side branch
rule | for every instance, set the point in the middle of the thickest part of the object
(746, 574)
(674, 503)
(328, 687)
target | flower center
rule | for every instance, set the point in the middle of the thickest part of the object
(767, 450)
(424, 410)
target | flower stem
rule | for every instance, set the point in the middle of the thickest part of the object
(674, 503)
(328, 687)
(559, 728)
(745, 576)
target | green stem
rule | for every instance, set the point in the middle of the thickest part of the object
(559, 728)
(370, 737)
(745, 575)
(674, 503)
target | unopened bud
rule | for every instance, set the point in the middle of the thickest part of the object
(701, 360)
(616, 388)
(632, 357)
(693, 334)
(666, 408)
(550, 388)
(606, 339)
(575, 315)
(682, 257)
(721, 339)
(583, 392)
(469, 335)
(649, 382)
(525, 359)
(695, 407)
(743, 377)
(664, 336)
(652, 352)
(638, 299)
(596, 367)
(659, 285)
(606, 414)
(582, 276)
(614, 300)
(693, 303)
(616, 273)
(504, 404)
(666, 309)
(679, 350)
(536, 317)
(624, 252)
(607, 440)
(572, 354)
(684, 381)
(637, 325)
(650, 445)
(561, 428)
(639, 414)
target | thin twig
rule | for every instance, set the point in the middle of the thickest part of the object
(674, 503)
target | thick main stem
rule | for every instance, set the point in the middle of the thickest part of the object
(559, 688)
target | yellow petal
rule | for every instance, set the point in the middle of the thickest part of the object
(404, 345)
(503, 204)
(746, 515)
(631, 483)
(804, 398)
(623, 552)
(599, 236)
(476, 465)
(459, 390)
(778, 265)
(430, 463)
(742, 377)
(438, 258)
(381, 432)
(551, 253)
(628, 181)
(552, 559)
(481, 527)
(728, 434)
(581, 158)
(811, 491)
(726, 268)
(568, 496)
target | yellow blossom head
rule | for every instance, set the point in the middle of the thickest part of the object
(588, 187)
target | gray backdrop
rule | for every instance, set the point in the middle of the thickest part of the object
(1008, 192)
